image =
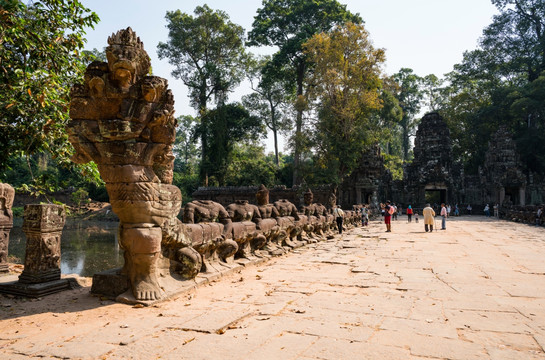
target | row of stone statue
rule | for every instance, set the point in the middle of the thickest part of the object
(212, 236)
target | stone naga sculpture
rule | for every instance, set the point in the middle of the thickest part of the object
(7, 194)
(211, 231)
(123, 121)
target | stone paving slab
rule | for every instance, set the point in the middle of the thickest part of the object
(474, 291)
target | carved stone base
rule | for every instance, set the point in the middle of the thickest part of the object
(4, 268)
(38, 290)
(110, 283)
(28, 277)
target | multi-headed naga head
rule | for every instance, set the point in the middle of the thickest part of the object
(127, 59)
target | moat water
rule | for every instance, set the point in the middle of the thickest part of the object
(87, 247)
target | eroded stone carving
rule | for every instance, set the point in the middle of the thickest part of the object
(123, 120)
(245, 217)
(291, 221)
(268, 224)
(7, 194)
(42, 225)
(211, 231)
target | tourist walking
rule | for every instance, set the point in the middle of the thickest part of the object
(444, 215)
(388, 211)
(409, 213)
(429, 217)
(339, 215)
(456, 210)
(416, 217)
(497, 211)
(469, 208)
(539, 215)
(364, 215)
(487, 210)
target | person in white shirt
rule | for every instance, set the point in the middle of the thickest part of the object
(339, 215)
(444, 215)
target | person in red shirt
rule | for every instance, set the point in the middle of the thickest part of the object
(409, 213)
(388, 211)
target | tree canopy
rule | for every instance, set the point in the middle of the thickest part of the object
(224, 127)
(288, 24)
(346, 82)
(207, 52)
(501, 84)
(40, 60)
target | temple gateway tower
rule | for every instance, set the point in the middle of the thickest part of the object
(428, 179)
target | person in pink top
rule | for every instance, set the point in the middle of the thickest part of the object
(444, 215)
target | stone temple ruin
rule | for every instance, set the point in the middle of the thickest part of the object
(432, 177)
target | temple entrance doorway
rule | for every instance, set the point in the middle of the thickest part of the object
(436, 196)
(512, 196)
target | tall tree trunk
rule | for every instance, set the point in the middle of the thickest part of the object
(204, 141)
(405, 140)
(276, 159)
(298, 126)
(275, 132)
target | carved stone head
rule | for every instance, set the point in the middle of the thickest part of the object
(127, 59)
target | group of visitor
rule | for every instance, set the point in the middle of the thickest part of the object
(388, 209)
(389, 212)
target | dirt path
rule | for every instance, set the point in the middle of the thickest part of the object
(474, 291)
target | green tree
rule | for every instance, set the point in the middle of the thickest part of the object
(499, 84)
(346, 83)
(40, 59)
(249, 166)
(185, 148)
(431, 91)
(207, 51)
(232, 124)
(515, 41)
(288, 24)
(409, 96)
(96, 55)
(269, 99)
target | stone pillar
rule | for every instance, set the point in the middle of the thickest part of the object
(522, 196)
(7, 193)
(502, 195)
(358, 196)
(42, 226)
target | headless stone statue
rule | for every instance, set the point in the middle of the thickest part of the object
(291, 221)
(245, 217)
(211, 230)
(268, 223)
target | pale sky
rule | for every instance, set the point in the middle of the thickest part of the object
(428, 36)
